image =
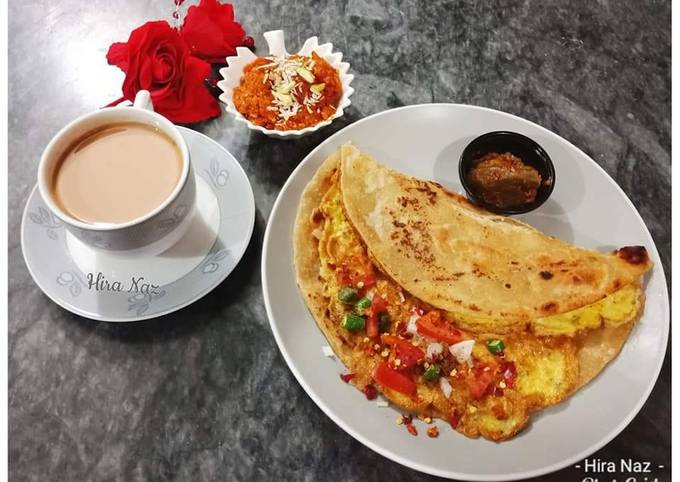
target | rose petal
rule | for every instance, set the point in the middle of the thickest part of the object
(210, 31)
(163, 68)
(146, 74)
(118, 55)
(196, 102)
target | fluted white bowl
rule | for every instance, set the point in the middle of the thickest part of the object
(231, 78)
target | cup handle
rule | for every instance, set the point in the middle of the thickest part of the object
(143, 100)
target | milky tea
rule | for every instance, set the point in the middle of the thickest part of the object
(116, 173)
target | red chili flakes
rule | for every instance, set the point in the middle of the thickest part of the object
(346, 377)
(433, 432)
(371, 392)
(407, 419)
(412, 429)
(454, 419)
(496, 391)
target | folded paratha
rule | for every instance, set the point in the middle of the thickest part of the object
(448, 310)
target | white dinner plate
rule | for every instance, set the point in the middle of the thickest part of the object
(73, 274)
(587, 208)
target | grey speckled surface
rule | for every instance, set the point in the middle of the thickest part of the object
(204, 394)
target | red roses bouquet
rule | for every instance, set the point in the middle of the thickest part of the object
(173, 63)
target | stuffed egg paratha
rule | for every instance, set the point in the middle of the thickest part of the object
(486, 363)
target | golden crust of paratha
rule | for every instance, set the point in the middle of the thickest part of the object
(306, 255)
(472, 263)
(595, 348)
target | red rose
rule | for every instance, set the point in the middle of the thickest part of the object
(210, 31)
(155, 58)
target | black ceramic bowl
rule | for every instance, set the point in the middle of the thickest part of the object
(521, 146)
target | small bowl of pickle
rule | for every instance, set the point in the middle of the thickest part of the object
(506, 173)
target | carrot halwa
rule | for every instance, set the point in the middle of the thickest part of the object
(286, 93)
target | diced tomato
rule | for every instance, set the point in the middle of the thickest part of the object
(408, 354)
(372, 325)
(509, 373)
(394, 380)
(480, 384)
(378, 305)
(433, 326)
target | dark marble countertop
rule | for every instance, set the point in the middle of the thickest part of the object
(203, 394)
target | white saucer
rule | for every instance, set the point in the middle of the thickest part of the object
(132, 288)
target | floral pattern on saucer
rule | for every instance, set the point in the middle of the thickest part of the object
(43, 217)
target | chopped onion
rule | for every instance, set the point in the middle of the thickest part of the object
(382, 404)
(411, 326)
(462, 351)
(370, 295)
(433, 349)
(327, 351)
(445, 387)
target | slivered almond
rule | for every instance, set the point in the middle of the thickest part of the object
(285, 88)
(283, 98)
(305, 74)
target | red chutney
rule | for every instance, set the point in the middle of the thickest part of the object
(286, 93)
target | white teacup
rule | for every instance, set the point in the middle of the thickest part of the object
(149, 234)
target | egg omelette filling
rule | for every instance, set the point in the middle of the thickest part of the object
(419, 357)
